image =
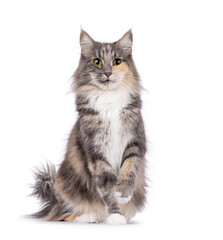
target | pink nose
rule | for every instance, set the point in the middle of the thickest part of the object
(108, 74)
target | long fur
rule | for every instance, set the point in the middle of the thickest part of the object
(43, 188)
(103, 174)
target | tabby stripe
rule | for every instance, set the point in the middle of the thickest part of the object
(132, 144)
(130, 181)
(87, 111)
(130, 155)
(136, 103)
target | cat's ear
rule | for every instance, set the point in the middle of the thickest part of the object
(125, 43)
(86, 42)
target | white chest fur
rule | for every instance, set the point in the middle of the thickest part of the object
(109, 105)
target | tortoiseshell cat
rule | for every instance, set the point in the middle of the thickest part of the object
(102, 177)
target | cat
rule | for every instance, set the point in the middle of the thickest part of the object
(102, 178)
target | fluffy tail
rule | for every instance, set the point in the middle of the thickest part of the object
(43, 189)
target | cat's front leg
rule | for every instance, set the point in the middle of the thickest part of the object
(105, 180)
(130, 167)
(103, 174)
(126, 183)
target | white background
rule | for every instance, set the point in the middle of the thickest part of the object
(178, 50)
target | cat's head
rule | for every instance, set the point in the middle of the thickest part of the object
(106, 66)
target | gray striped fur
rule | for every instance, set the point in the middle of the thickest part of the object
(103, 166)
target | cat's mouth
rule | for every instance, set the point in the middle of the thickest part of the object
(105, 81)
(107, 84)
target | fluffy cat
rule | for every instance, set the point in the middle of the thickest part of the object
(102, 177)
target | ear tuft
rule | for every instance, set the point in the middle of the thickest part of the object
(86, 42)
(125, 43)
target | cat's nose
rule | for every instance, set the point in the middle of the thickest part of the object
(108, 74)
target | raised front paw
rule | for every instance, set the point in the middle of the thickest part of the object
(123, 192)
(122, 200)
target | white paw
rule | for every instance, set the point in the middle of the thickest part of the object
(116, 218)
(87, 218)
(122, 200)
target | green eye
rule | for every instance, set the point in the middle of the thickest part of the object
(97, 62)
(117, 61)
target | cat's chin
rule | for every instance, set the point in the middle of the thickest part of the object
(107, 85)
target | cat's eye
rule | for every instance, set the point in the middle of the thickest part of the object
(117, 61)
(97, 61)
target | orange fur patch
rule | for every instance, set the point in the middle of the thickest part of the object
(129, 80)
(67, 217)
